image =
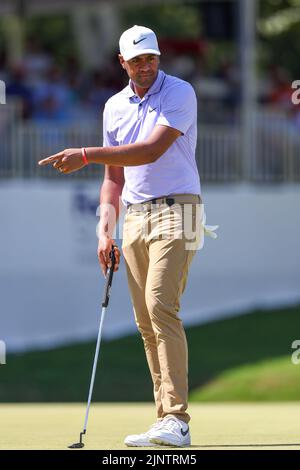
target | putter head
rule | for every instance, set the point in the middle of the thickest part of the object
(77, 445)
(80, 444)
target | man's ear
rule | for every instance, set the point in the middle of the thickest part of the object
(122, 61)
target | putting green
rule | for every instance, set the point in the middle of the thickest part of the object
(213, 426)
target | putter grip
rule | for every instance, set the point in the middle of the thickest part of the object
(109, 276)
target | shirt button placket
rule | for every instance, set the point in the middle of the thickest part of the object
(140, 110)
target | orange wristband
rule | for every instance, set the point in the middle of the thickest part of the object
(84, 157)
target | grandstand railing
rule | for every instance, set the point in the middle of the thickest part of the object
(219, 151)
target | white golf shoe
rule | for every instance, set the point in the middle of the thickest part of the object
(172, 432)
(142, 440)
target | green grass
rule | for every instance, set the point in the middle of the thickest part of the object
(240, 358)
(227, 426)
(267, 380)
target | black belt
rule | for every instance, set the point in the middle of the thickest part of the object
(168, 200)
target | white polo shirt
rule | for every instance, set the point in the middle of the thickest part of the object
(127, 119)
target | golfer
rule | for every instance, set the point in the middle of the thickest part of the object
(150, 133)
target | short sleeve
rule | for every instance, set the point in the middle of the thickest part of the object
(108, 136)
(178, 107)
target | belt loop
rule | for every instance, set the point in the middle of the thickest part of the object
(170, 201)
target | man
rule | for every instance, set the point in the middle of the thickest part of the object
(150, 133)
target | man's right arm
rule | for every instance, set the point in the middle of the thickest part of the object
(110, 193)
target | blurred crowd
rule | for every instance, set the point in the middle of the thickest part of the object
(52, 92)
(48, 91)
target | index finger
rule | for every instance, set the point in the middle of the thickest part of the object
(53, 158)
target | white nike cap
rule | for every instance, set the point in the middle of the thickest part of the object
(138, 40)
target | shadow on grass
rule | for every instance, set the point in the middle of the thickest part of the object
(220, 346)
(63, 374)
(228, 446)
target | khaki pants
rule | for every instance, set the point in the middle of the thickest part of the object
(157, 261)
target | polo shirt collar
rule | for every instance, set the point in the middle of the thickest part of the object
(155, 88)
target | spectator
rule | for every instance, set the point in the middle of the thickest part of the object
(52, 98)
(281, 90)
(101, 90)
(16, 87)
(36, 61)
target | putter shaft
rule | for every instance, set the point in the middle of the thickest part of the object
(109, 276)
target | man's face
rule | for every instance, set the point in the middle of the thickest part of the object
(142, 70)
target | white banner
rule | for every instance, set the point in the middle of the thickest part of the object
(51, 285)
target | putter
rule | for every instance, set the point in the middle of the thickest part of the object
(109, 276)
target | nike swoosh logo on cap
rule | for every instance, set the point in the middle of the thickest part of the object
(184, 433)
(140, 40)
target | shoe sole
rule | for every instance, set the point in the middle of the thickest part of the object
(150, 444)
(161, 442)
